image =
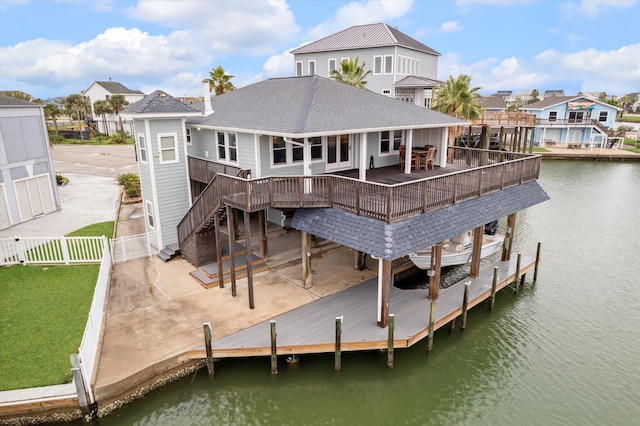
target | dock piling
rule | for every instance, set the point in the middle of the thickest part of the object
(535, 269)
(432, 319)
(390, 341)
(207, 345)
(465, 302)
(338, 353)
(494, 285)
(274, 356)
(516, 280)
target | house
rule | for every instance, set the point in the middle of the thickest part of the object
(102, 91)
(27, 180)
(551, 93)
(492, 103)
(572, 121)
(502, 93)
(401, 66)
(314, 146)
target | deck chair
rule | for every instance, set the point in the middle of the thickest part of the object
(428, 159)
(403, 158)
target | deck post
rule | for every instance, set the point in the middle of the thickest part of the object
(494, 285)
(465, 302)
(476, 251)
(432, 320)
(262, 227)
(434, 273)
(235, 225)
(517, 277)
(306, 260)
(535, 269)
(231, 218)
(392, 320)
(207, 345)
(337, 364)
(508, 237)
(247, 242)
(385, 276)
(78, 379)
(274, 356)
(216, 230)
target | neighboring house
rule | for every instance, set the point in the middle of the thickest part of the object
(102, 91)
(27, 180)
(635, 107)
(402, 67)
(493, 103)
(503, 93)
(518, 99)
(572, 121)
(58, 101)
(551, 93)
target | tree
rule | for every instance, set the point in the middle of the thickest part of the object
(351, 73)
(534, 96)
(457, 98)
(117, 103)
(53, 111)
(220, 81)
(75, 104)
(102, 108)
(626, 102)
(18, 94)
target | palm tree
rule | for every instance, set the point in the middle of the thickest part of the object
(534, 96)
(220, 81)
(53, 111)
(117, 103)
(457, 98)
(18, 94)
(102, 108)
(75, 104)
(626, 102)
(351, 73)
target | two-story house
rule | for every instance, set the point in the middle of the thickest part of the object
(102, 91)
(402, 67)
(27, 180)
(572, 121)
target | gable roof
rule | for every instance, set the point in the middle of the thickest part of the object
(557, 100)
(493, 102)
(11, 101)
(364, 36)
(116, 88)
(416, 81)
(313, 105)
(160, 103)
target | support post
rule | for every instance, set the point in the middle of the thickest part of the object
(494, 285)
(337, 364)
(476, 251)
(235, 235)
(535, 269)
(432, 320)
(465, 302)
(216, 230)
(385, 277)
(249, 257)
(231, 219)
(78, 379)
(306, 260)
(264, 243)
(392, 319)
(274, 356)
(207, 345)
(517, 277)
(508, 237)
(452, 325)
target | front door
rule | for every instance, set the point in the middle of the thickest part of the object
(338, 152)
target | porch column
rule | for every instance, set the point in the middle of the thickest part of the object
(508, 237)
(262, 229)
(476, 251)
(306, 160)
(249, 257)
(441, 155)
(231, 225)
(306, 260)
(385, 276)
(409, 144)
(363, 157)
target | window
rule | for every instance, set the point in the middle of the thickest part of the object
(150, 219)
(143, 148)
(332, 65)
(377, 64)
(343, 60)
(388, 64)
(227, 147)
(312, 67)
(298, 68)
(297, 151)
(279, 149)
(168, 148)
(405, 95)
(290, 153)
(189, 136)
(553, 115)
(316, 147)
(386, 92)
(390, 141)
(603, 116)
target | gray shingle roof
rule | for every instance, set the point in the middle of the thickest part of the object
(416, 81)
(116, 88)
(315, 105)
(394, 240)
(494, 102)
(162, 103)
(11, 101)
(364, 36)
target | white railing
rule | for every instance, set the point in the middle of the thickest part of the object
(133, 247)
(41, 250)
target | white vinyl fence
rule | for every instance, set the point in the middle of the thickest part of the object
(133, 247)
(39, 250)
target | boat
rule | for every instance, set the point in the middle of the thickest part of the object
(457, 250)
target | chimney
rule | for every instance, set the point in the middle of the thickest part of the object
(207, 97)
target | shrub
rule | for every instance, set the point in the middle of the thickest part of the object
(119, 137)
(131, 184)
(61, 180)
(128, 178)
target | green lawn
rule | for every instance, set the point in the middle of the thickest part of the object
(95, 230)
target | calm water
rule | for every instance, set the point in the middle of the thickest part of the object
(565, 351)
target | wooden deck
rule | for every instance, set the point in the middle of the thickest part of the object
(311, 328)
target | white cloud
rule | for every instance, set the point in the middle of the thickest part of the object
(450, 27)
(594, 8)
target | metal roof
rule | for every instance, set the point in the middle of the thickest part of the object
(391, 241)
(365, 36)
(313, 105)
(160, 103)
(416, 81)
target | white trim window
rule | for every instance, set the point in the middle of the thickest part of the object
(312, 67)
(390, 141)
(332, 65)
(278, 151)
(316, 147)
(377, 65)
(188, 136)
(227, 147)
(168, 147)
(388, 64)
(151, 221)
(283, 153)
(553, 115)
(142, 148)
(298, 68)
(386, 92)
(603, 116)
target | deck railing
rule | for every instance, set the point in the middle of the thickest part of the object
(567, 122)
(204, 170)
(509, 118)
(490, 171)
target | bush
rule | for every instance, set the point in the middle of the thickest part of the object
(61, 180)
(128, 178)
(131, 184)
(119, 137)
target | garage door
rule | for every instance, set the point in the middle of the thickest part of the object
(34, 197)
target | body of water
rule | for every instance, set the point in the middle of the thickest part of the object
(564, 351)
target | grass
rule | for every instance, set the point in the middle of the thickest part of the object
(629, 119)
(43, 314)
(101, 140)
(540, 149)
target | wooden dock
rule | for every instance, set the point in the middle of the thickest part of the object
(311, 328)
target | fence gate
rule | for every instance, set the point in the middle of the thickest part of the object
(133, 247)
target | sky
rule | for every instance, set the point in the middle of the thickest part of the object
(54, 48)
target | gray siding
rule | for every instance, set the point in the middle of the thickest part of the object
(144, 170)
